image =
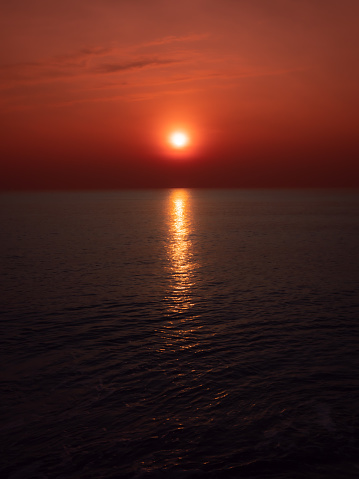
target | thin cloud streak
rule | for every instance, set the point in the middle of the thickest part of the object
(121, 67)
(78, 65)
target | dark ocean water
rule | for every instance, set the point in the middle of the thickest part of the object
(180, 334)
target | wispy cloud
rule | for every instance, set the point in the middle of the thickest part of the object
(84, 63)
(98, 60)
(134, 65)
(164, 66)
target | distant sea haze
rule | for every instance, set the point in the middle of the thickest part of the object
(180, 333)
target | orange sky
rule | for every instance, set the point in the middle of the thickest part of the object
(91, 89)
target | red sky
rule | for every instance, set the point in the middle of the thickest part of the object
(91, 89)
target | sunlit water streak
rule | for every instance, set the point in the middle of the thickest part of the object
(180, 251)
(178, 331)
(181, 332)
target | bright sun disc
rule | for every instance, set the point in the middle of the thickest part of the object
(178, 139)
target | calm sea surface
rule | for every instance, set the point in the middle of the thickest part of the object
(180, 333)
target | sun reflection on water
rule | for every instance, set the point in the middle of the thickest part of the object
(180, 250)
(181, 331)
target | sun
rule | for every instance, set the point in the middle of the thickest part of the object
(178, 139)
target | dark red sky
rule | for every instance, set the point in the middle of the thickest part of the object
(266, 89)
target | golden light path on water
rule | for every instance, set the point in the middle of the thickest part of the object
(179, 332)
(180, 250)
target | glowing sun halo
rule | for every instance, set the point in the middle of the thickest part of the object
(178, 139)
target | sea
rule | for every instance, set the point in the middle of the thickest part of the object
(180, 333)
